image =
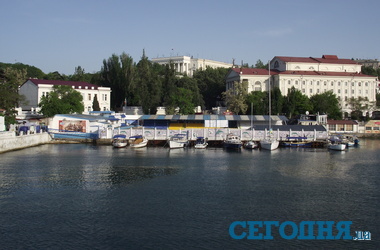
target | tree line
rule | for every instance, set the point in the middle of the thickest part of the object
(151, 85)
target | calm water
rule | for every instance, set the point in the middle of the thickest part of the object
(95, 197)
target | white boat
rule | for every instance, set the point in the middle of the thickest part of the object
(200, 143)
(178, 141)
(336, 143)
(269, 143)
(232, 142)
(137, 141)
(251, 145)
(119, 141)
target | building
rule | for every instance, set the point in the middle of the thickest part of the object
(34, 89)
(311, 76)
(369, 63)
(188, 65)
(343, 126)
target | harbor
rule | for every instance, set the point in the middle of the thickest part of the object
(100, 197)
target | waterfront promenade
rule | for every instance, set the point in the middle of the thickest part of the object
(9, 141)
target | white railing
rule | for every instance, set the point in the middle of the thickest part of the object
(219, 134)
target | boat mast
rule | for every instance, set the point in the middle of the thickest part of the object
(270, 105)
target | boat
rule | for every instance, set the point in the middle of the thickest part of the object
(178, 141)
(137, 141)
(251, 145)
(232, 142)
(201, 143)
(336, 143)
(270, 142)
(297, 141)
(119, 141)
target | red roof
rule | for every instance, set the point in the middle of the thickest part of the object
(254, 71)
(347, 122)
(324, 59)
(76, 85)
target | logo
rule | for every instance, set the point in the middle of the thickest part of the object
(305, 230)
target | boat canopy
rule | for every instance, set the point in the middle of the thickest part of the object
(136, 137)
(119, 136)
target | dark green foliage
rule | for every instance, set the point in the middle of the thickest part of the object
(211, 84)
(10, 80)
(62, 100)
(95, 104)
(296, 103)
(326, 103)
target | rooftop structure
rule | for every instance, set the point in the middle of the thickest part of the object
(188, 65)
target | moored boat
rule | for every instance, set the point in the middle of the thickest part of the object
(137, 141)
(119, 141)
(269, 143)
(336, 143)
(251, 145)
(232, 142)
(201, 143)
(178, 141)
(299, 141)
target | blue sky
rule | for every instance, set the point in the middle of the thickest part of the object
(56, 35)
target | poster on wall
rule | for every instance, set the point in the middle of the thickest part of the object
(72, 125)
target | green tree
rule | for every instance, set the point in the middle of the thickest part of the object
(169, 88)
(236, 98)
(118, 73)
(277, 101)
(211, 84)
(95, 104)
(183, 102)
(260, 65)
(296, 103)
(326, 103)
(62, 100)
(259, 102)
(10, 80)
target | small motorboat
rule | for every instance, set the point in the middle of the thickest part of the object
(201, 143)
(119, 141)
(178, 141)
(232, 142)
(251, 145)
(138, 141)
(336, 143)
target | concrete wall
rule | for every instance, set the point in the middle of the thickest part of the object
(12, 142)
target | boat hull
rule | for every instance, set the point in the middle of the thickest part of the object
(140, 144)
(177, 144)
(232, 145)
(337, 147)
(269, 145)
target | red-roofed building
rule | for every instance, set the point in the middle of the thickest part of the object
(311, 76)
(34, 89)
(343, 126)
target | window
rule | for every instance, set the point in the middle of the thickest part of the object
(368, 128)
(317, 90)
(338, 83)
(360, 84)
(89, 97)
(366, 84)
(318, 83)
(303, 82)
(346, 91)
(353, 92)
(311, 91)
(303, 90)
(345, 83)
(296, 82)
(338, 91)
(375, 128)
(325, 83)
(332, 127)
(332, 83)
(288, 81)
(352, 84)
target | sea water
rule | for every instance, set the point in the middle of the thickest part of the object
(80, 196)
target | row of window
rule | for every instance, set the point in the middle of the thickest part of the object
(338, 91)
(331, 83)
(89, 96)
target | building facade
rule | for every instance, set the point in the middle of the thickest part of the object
(34, 89)
(311, 76)
(188, 65)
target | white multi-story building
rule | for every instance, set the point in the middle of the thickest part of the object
(188, 65)
(34, 89)
(311, 76)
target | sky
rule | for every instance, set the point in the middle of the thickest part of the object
(56, 35)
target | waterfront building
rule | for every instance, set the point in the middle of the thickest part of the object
(188, 65)
(343, 126)
(311, 76)
(34, 89)
(372, 127)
